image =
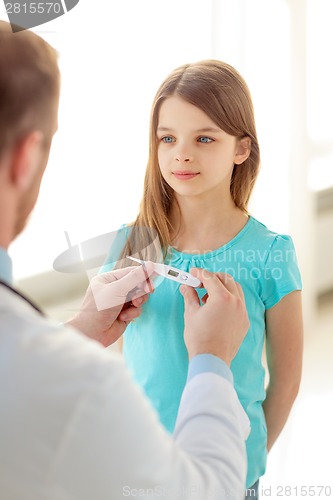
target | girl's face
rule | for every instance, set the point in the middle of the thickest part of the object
(195, 156)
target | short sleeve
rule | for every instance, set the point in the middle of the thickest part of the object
(281, 274)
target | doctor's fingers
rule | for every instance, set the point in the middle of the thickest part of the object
(123, 281)
(217, 283)
(214, 283)
(139, 298)
(231, 285)
(130, 313)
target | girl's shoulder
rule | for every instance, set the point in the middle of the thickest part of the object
(260, 235)
(254, 237)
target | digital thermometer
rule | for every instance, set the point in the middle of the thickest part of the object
(172, 273)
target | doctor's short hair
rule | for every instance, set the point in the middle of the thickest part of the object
(29, 85)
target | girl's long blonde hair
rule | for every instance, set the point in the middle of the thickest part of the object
(222, 94)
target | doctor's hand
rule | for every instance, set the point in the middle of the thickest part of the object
(218, 326)
(112, 300)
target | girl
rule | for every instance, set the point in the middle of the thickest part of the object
(203, 163)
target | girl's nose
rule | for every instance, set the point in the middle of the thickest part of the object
(183, 157)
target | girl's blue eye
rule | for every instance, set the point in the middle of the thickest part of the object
(167, 139)
(204, 140)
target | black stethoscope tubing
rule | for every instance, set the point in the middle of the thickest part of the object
(3, 283)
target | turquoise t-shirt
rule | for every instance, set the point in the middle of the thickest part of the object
(265, 264)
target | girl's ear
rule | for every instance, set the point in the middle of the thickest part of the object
(243, 150)
(25, 160)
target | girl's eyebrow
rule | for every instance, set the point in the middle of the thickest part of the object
(199, 131)
(208, 129)
(163, 129)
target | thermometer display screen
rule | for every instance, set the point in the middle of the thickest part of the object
(173, 273)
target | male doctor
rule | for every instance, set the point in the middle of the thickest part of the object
(73, 425)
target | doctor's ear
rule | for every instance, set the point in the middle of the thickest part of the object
(243, 150)
(25, 159)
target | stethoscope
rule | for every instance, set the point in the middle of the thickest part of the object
(3, 283)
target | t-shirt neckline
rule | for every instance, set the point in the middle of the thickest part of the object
(213, 253)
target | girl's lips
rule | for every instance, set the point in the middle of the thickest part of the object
(184, 176)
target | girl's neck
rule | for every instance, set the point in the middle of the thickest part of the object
(202, 226)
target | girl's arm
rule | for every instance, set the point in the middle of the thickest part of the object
(284, 348)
